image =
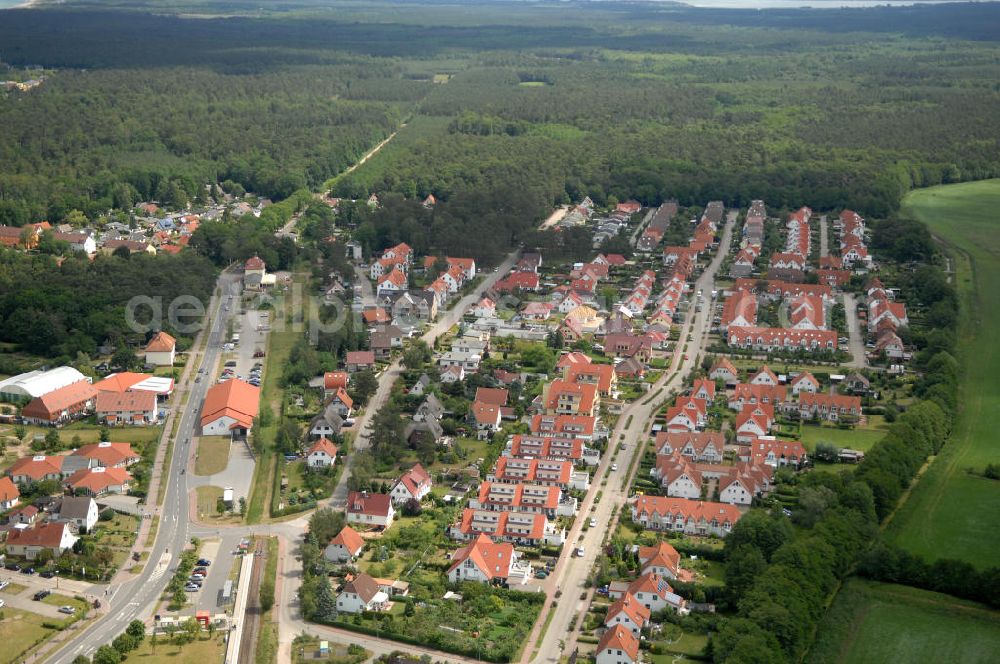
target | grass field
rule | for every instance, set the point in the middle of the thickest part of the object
(951, 512)
(213, 455)
(876, 622)
(19, 631)
(208, 498)
(200, 651)
(858, 438)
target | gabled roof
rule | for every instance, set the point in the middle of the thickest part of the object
(235, 398)
(161, 342)
(493, 559)
(98, 479)
(108, 454)
(360, 357)
(47, 535)
(75, 507)
(631, 607)
(364, 586)
(375, 504)
(414, 479)
(323, 445)
(349, 539)
(37, 467)
(343, 397)
(52, 403)
(486, 413)
(620, 638)
(661, 555)
(8, 490)
(492, 395)
(123, 402)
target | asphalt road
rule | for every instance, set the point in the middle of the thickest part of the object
(571, 572)
(855, 334)
(135, 598)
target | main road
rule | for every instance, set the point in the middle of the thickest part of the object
(137, 597)
(630, 437)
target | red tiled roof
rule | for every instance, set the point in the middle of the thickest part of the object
(360, 357)
(631, 607)
(492, 558)
(36, 467)
(161, 342)
(125, 402)
(48, 406)
(349, 539)
(375, 504)
(235, 398)
(108, 454)
(8, 490)
(620, 638)
(491, 395)
(323, 445)
(97, 480)
(661, 555)
(47, 535)
(333, 380)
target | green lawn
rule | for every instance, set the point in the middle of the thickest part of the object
(875, 622)
(213, 455)
(201, 650)
(952, 513)
(858, 438)
(19, 631)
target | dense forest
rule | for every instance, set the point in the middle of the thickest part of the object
(59, 310)
(621, 101)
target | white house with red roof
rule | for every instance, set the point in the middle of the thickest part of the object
(804, 382)
(486, 561)
(394, 281)
(323, 454)
(414, 484)
(627, 612)
(652, 591)
(617, 646)
(109, 455)
(705, 446)
(764, 376)
(485, 308)
(342, 403)
(687, 516)
(725, 370)
(345, 547)
(9, 494)
(662, 559)
(753, 421)
(370, 509)
(161, 350)
(29, 542)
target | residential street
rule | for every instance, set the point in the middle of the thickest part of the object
(857, 336)
(572, 572)
(446, 319)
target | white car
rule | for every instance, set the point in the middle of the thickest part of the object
(4, 584)
(68, 610)
(614, 466)
(2, 603)
(579, 552)
(593, 522)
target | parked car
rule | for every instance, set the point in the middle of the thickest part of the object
(541, 574)
(202, 562)
(191, 588)
(614, 466)
(47, 574)
(579, 552)
(593, 522)
(41, 594)
(28, 570)
(14, 567)
(4, 584)
(2, 603)
(68, 610)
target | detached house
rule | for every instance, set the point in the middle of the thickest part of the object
(161, 350)
(80, 511)
(652, 591)
(9, 494)
(484, 561)
(361, 593)
(341, 403)
(370, 509)
(99, 481)
(414, 484)
(617, 646)
(804, 382)
(345, 547)
(627, 612)
(323, 454)
(30, 542)
(662, 559)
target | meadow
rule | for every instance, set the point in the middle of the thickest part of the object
(876, 622)
(953, 511)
